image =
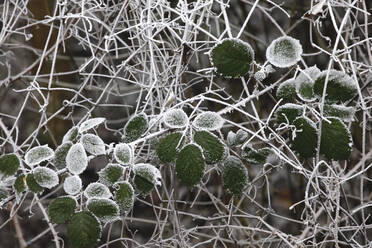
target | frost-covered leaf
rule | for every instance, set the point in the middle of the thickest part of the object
(286, 90)
(98, 190)
(46, 177)
(284, 52)
(32, 185)
(76, 159)
(208, 120)
(253, 156)
(305, 83)
(60, 154)
(287, 113)
(167, 148)
(190, 165)
(336, 139)
(93, 144)
(71, 135)
(20, 184)
(72, 185)
(213, 149)
(135, 127)
(232, 58)
(61, 209)
(340, 111)
(124, 196)
(88, 124)
(123, 154)
(110, 174)
(84, 230)
(105, 210)
(176, 118)
(234, 175)
(38, 154)
(305, 138)
(9, 164)
(146, 177)
(231, 136)
(240, 137)
(340, 87)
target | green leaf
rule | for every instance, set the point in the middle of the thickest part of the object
(284, 52)
(97, 190)
(20, 184)
(213, 149)
(336, 142)
(176, 118)
(232, 58)
(123, 154)
(208, 120)
(88, 124)
(46, 177)
(32, 185)
(38, 154)
(93, 144)
(146, 177)
(190, 165)
(234, 175)
(287, 113)
(340, 87)
(253, 156)
(287, 90)
(60, 154)
(71, 135)
(342, 112)
(135, 127)
(105, 210)
(305, 83)
(9, 164)
(84, 230)
(124, 196)
(110, 174)
(305, 137)
(167, 148)
(61, 209)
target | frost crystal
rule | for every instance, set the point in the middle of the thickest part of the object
(284, 52)
(305, 82)
(38, 154)
(231, 138)
(286, 90)
(135, 127)
(46, 177)
(88, 124)
(72, 185)
(124, 196)
(340, 111)
(93, 144)
(71, 134)
(175, 118)
(59, 160)
(123, 154)
(76, 159)
(97, 190)
(210, 121)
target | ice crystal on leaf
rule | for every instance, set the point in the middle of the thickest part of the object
(208, 120)
(72, 185)
(76, 159)
(124, 196)
(93, 144)
(71, 134)
(175, 118)
(88, 124)
(110, 174)
(60, 154)
(146, 178)
(123, 154)
(284, 52)
(97, 190)
(38, 154)
(234, 175)
(105, 210)
(304, 83)
(46, 177)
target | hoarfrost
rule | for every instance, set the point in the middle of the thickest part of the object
(76, 159)
(46, 177)
(70, 135)
(38, 154)
(148, 169)
(110, 174)
(231, 138)
(97, 190)
(123, 154)
(305, 82)
(208, 120)
(105, 210)
(88, 124)
(175, 118)
(93, 144)
(72, 185)
(284, 52)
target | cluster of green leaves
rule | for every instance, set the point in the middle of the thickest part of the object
(306, 92)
